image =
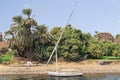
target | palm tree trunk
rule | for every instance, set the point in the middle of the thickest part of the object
(29, 53)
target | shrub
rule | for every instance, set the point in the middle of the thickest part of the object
(7, 57)
(3, 50)
(4, 58)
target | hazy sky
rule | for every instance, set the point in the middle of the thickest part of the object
(89, 16)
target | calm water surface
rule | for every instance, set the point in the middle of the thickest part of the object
(45, 77)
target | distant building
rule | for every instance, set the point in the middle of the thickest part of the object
(103, 36)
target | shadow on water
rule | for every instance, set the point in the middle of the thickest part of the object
(45, 77)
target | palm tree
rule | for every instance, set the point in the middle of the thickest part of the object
(27, 12)
(27, 37)
(22, 34)
(13, 30)
(28, 22)
(41, 40)
(43, 35)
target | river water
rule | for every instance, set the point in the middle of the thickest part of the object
(45, 77)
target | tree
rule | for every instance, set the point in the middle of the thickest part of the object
(116, 51)
(118, 36)
(29, 39)
(21, 32)
(42, 35)
(86, 37)
(95, 51)
(12, 32)
(95, 48)
(42, 39)
(108, 48)
(70, 44)
(25, 35)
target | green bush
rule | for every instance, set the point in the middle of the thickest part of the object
(110, 57)
(6, 57)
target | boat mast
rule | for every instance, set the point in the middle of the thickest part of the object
(56, 61)
(55, 48)
(56, 45)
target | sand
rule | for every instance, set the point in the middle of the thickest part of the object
(84, 67)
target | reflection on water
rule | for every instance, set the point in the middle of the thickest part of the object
(45, 77)
(90, 77)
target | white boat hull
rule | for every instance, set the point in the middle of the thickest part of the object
(64, 74)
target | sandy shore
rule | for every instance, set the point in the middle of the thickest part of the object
(84, 67)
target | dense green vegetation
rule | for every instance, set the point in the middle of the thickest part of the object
(35, 42)
(6, 57)
(110, 58)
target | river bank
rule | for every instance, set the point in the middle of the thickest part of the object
(84, 67)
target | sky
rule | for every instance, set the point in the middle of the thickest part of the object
(89, 15)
